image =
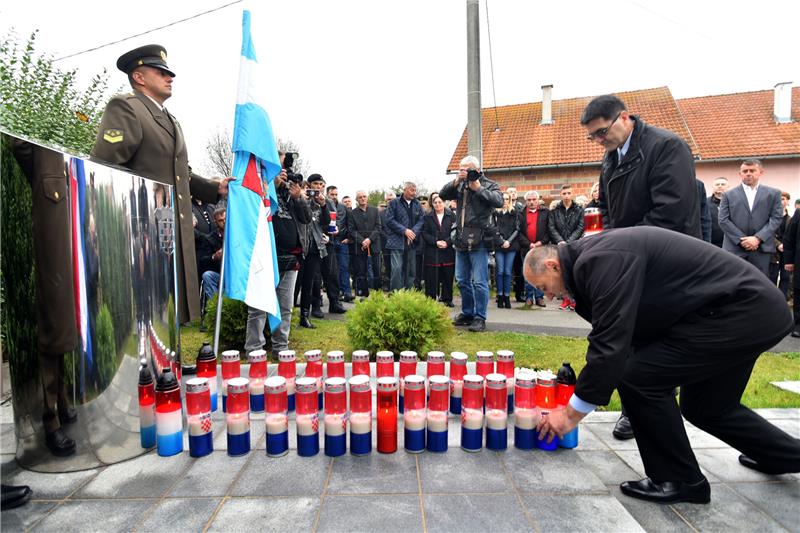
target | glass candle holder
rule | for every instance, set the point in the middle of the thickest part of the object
(238, 416)
(565, 388)
(360, 415)
(387, 414)
(360, 363)
(472, 414)
(257, 375)
(545, 394)
(307, 418)
(335, 417)
(287, 368)
(147, 406)
(592, 221)
(505, 366)
(408, 366)
(198, 417)
(384, 364)
(496, 412)
(414, 415)
(436, 434)
(526, 415)
(231, 368)
(314, 370)
(175, 364)
(207, 368)
(435, 364)
(458, 369)
(276, 417)
(484, 363)
(336, 364)
(169, 415)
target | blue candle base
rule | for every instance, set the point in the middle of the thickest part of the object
(213, 402)
(256, 403)
(510, 403)
(437, 441)
(308, 445)
(277, 444)
(224, 403)
(414, 440)
(147, 436)
(524, 439)
(360, 443)
(546, 446)
(496, 439)
(471, 439)
(335, 446)
(170, 444)
(570, 440)
(201, 445)
(239, 444)
(290, 403)
(455, 405)
(400, 404)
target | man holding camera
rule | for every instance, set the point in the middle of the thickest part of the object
(290, 223)
(477, 198)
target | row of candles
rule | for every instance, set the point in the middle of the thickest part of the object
(482, 399)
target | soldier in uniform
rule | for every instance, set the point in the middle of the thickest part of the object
(138, 133)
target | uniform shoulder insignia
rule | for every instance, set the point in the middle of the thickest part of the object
(113, 136)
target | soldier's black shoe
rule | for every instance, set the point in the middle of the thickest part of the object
(668, 491)
(316, 312)
(463, 320)
(764, 469)
(796, 332)
(59, 443)
(349, 298)
(68, 415)
(304, 321)
(14, 496)
(336, 308)
(623, 429)
(477, 325)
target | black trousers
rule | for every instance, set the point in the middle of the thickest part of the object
(386, 276)
(360, 261)
(439, 282)
(712, 370)
(326, 266)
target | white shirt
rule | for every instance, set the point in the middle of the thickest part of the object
(621, 151)
(750, 192)
(440, 216)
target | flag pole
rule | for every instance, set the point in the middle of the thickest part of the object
(219, 296)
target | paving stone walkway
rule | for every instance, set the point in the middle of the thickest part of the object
(567, 490)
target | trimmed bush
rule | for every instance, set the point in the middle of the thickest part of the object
(106, 354)
(402, 320)
(232, 325)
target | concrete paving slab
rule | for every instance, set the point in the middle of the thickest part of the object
(578, 513)
(462, 472)
(211, 475)
(22, 518)
(57, 487)
(791, 386)
(95, 516)
(728, 511)
(607, 466)
(780, 499)
(179, 514)
(146, 476)
(560, 471)
(634, 460)
(374, 474)
(475, 512)
(386, 513)
(724, 464)
(603, 432)
(289, 475)
(266, 514)
(651, 517)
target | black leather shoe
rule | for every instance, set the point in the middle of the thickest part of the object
(796, 333)
(764, 469)
(316, 312)
(463, 320)
(520, 299)
(622, 429)
(349, 298)
(508, 302)
(304, 321)
(337, 309)
(540, 302)
(14, 496)
(477, 325)
(668, 491)
(68, 415)
(59, 443)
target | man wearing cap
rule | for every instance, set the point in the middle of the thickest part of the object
(138, 133)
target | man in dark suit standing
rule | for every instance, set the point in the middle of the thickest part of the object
(364, 229)
(749, 215)
(138, 133)
(669, 310)
(718, 188)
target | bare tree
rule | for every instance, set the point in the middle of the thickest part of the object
(288, 145)
(220, 156)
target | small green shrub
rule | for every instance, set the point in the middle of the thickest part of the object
(106, 354)
(232, 325)
(402, 320)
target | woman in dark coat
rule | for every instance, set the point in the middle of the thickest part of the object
(440, 258)
(505, 249)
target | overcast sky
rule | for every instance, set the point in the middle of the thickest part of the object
(374, 92)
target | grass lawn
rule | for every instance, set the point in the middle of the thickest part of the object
(538, 351)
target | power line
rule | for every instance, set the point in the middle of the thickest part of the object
(149, 31)
(491, 68)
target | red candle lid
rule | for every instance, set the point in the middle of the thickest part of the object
(361, 356)
(334, 385)
(312, 356)
(485, 357)
(306, 385)
(458, 358)
(526, 380)
(384, 357)
(360, 384)
(408, 357)
(387, 384)
(336, 356)
(196, 385)
(286, 356)
(414, 382)
(436, 357)
(238, 385)
(472, 381)
(496, 381)
(439, 383)
(230, 356)
(505, 355)
(257, 356)
(275, 385)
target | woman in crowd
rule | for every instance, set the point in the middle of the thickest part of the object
(506, 246)
(439, 259)
(595, 195)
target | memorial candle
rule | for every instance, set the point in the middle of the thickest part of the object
(384, 364)
(496, 412)
(360, 415)
(408, 366)
(472, 414)
(175, 364)
(526, 415)
(276, 418)
(565, 387)
(436, 434)
(207, 368)
(435, 364)
(231, 368)
(458, 369)
(360, 363)
(147, 406)
(169, 418)
(335, 416)
(314, 370)
(198, 417)
(414, 415)
(238, 416)
(287, 367)
(545, 394)
(505, 366)
(387, 414)
(307, 418)
(335, 364)
(484, 364)
(592, 221)
(257, 375)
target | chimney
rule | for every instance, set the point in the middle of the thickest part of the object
(783, 102)
(547, 104)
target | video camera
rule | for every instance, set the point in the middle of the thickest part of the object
(473, 175)
(288, 162)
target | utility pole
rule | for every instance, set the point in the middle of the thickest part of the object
(474, 126)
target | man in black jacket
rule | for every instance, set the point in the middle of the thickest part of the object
(290, 223)
(477, 198)
(647, 179)
(364, 228)
(668, 310)
(566, 225)
(791, 256)
(718, 188)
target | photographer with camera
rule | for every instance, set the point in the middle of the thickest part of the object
(477, 198)
(290, 223)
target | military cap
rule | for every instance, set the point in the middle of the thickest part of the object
(315, 177)
(152, 55)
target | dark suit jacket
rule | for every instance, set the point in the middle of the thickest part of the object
(737, 220)
(542, 230)
(432, 231)
(136, 134)
(365, 225)
(644, 284)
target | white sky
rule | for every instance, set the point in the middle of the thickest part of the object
(374, 92)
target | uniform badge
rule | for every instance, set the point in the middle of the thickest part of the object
(163, 55)
(113, 136)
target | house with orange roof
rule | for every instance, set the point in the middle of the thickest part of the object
(542, 145)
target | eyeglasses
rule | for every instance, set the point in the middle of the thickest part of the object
(602, 132)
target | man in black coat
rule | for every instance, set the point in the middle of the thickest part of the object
(791, 256)
(718, 188)
(668, 310)
(647, 179)
(364, 229)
